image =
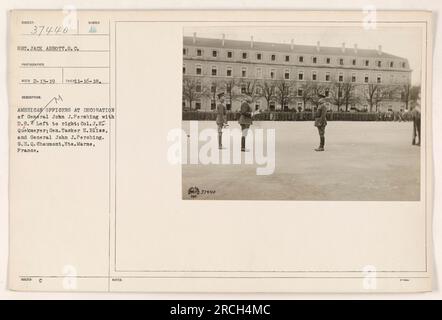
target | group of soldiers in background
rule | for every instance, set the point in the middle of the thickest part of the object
(246, 120)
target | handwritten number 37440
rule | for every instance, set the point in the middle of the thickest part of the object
(47, 30)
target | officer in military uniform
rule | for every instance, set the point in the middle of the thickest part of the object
(321, 122)
(245, 120)
(221, 118)
(416, 116)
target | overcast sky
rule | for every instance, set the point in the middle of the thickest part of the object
(401, 41)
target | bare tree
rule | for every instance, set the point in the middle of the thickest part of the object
(409, 94)
(337, 94)
(267, 92)
(379, 94)
(230, 86)
(306, 94)
(215, 87)
(248, 87)
(371, 94)
(283, 92)
(193, 90)
(350, 94)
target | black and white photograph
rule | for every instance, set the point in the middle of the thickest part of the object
(304, 113)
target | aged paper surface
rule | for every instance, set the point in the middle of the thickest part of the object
(146, 154)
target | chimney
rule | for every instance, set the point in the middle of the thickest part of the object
(318, 46)
(379, 50)
(343, 47)
(291, 44)
(251, 42)
(194, 37)
(224, 38)
(356, 48)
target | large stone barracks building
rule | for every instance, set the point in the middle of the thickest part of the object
(287, 76)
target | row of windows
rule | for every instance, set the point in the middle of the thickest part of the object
(286, 76)
(287, 58)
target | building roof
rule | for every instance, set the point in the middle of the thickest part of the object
(283, 47)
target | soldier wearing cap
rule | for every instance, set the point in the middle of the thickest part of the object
(221, 118)
(321, 122)
(245, 120)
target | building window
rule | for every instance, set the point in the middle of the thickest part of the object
(379, 63)
(229, 71)
(184, 69)
(213, 88)
(366, 78)
(199, 70)
(378, 79)
(229, 54)
(198, 104)
(214, 53)
(287, 58)
(341, 61)
(286, 74)
(258, 56)
(314, 76)
(301, 59)
(244, 72)
(272, 74)
(244, 55)
(327, 60)
(340, 94)
(212, 105)
(314, 60)
(353, 77)
(403, 64)
(214, 71)
(184, 51)
(257, 105)
(199, 52)
(273, 57)
(300, 75)
(353, 62)
(258, 72)
(243, 88)
(258, 91)
(198, 87)
(327, 76)
(299, 105)
(367, 63)
(341, 77)
(300, 92)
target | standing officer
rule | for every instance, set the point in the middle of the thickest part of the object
(416, 116)
(321, 122)
(221, 118)
(245, 120)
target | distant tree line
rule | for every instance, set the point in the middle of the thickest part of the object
(341, 94)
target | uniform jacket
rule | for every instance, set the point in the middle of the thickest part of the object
(321, 119)
(221, 114)
(416, 114)
(246, 114)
